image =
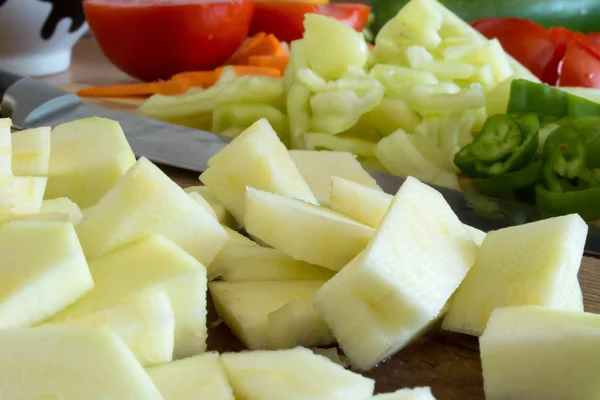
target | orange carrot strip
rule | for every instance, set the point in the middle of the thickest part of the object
(277, 62)
(259, 45)
(242, 70)
(134, 89)
(370, 46)
(247, 48)
(196, 78)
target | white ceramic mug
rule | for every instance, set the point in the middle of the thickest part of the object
(36, 36)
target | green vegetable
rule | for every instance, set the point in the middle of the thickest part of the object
(570, 185)
(577, 15)
(324, 32)
(244, 89)
(583, 202)
(509, 182)
(242, 115)
(506, 143)
(526, 96)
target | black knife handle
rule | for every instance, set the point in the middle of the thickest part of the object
(7, 79)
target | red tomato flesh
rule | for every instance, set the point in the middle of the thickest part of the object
(156, 39)
(525, 40)
(285, 19)
(594, 37)
(579, 67)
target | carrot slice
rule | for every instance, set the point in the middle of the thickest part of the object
(247, 48)
(242, 70)
(259, 45)
(134, 89)
(277, 62)
(196, 78)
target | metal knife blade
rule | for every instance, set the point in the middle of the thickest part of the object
(31, 103)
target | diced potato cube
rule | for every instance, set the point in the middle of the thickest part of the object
(70, 362)
(197, 197)
(318, 167)
(221, 213)
(146, 325)
(303, 231)
(65, 206)
(256, 158)
(29, 194)
(146, 201)
(393, 290)
(7, 196)
(246, 308)
(194, 378)
(529, 264)
(366, 205)
(88, 157)
(538, 353)
(44, 270)
(31, 152)
(255, 263)
(295, 374)
(152, 264)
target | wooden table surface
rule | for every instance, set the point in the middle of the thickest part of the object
(449, 363)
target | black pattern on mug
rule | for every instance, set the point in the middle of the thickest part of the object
(2, 2)
(72, 9)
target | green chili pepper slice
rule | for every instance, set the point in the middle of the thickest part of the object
(564, 165)
(570, 182)
(509, 182)
(506, 143)
(586, 202)
(526, 96)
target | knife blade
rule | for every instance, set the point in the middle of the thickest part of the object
(31, 103)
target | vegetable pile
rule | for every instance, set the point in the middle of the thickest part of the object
(544, 150)
(405, 107)
(108, 264)
(433, 99)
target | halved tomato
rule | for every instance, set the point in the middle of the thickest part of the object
(156, 39)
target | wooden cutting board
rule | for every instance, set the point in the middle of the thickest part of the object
(447, 362)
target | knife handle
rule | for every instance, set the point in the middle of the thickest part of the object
(7, 79)
(25, 100)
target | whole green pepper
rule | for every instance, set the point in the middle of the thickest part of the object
(570, 185)
(526, 96)
(505, 144)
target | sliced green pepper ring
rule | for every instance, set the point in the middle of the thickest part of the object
(586, 202)
(510, 181)
(564, 162)
(498, 138)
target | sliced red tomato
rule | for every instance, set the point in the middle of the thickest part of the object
(594, 37)
(156, 39)
(579, 67)
(525, 40)
(285, 19)
(560, 37)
